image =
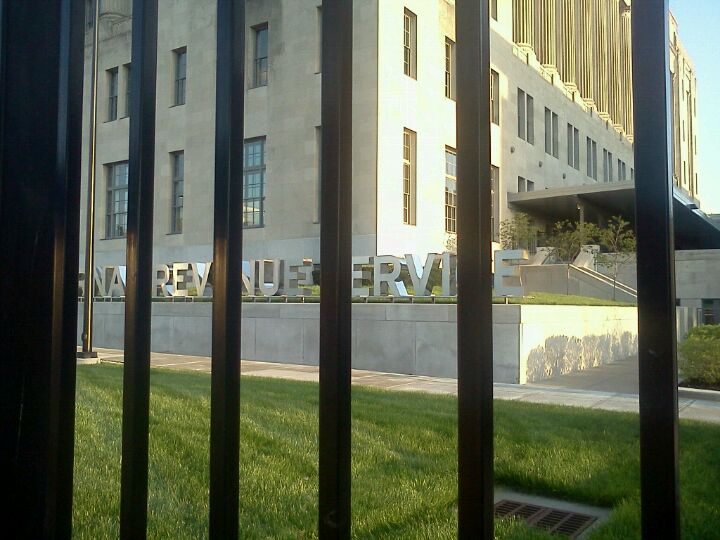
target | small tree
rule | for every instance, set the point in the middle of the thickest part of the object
(568, 238)
(618, 239)
(517, 232)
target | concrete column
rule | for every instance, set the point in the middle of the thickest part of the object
(524, 24)
(585, 51)
(626, 68)
(614, 64)
(601, 56)
(547, 38)
(567, 43)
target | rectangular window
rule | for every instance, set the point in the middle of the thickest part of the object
(112, 79)
(318, 60)
(117, 200)
(551, 133)
(576, 154)
(548, 131)
(180, 75)
(573, 146)
(178, 188)
(588, 156)
(529, 185)
(607, 166)
(595, 161)
(495, 202)
(254, 183)
(128, 73)
(494, 97)
(318, 176)
(530, 119)
(526, 121)
(494, 9)
(521, 185)
(449, 68)
(260, 56)
(521, 113)
(409, 176)
(450, 190)
(410, 44)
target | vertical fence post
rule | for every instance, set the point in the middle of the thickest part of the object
(336, 256)
(227, 269)
(474, 306)
(138, 294)
(40, 133)
(655, 273)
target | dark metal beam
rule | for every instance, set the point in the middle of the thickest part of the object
(336, 257)
(138, 294)
(227, 268)
(41, 57)
(655, 272)
(474, 270)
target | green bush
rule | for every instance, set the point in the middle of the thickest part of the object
(700, 355)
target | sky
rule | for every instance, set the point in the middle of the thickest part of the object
(698, 26)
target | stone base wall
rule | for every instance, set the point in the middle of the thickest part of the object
(529, 342)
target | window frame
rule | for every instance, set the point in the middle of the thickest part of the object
(111, 189)
(450, 191)
(127, 68)
(409, 177)
(177, 164)
(258, 201)
(410, 44)
(450, 73)
(180, 79)
(526, 116)
(113, 82)
(261, 64)
(495, 202)
(495, 97)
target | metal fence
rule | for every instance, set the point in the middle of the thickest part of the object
(41, 72)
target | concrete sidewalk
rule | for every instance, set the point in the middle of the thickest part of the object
(608, 388)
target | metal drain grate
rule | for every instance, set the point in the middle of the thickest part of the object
(552, 520)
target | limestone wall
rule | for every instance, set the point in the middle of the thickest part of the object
(530, 342)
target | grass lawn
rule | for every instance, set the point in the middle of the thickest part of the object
(404, 472)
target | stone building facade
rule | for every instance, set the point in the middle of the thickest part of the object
(561, 118)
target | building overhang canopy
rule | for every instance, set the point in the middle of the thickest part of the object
(693, 228)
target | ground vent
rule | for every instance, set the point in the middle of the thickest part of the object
(570, 524)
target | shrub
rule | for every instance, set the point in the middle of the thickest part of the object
(700, 355)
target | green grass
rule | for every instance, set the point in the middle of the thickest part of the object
(404, 471)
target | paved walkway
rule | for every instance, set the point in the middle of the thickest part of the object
(611, 388)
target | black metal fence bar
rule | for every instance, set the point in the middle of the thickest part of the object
(41, 56)
(227, 268)
(67, 223)
(474, 271)
(336, 257)
(655, 273)
(138, 293)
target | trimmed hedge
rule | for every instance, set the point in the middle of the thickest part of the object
(700, 355)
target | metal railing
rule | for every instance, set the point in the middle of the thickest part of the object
(40, 134)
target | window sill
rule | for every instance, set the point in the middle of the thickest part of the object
(257, 86)
(114, 238)
(177, 105)
(174, 233)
